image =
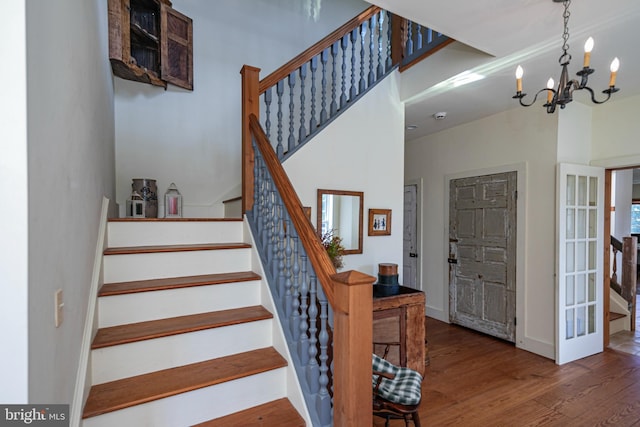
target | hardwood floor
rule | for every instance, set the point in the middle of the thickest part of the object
(476, 380)
(628, 341)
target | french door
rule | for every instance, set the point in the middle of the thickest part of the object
(579, 312)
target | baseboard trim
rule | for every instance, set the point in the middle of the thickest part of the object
(83, 383)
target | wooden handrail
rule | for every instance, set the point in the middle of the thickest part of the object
(316, 49)
(617, 244)
(315, 251)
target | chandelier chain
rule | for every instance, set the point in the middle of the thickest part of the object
(563, 94)
(566, 57)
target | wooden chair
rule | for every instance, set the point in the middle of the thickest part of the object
(396, 390)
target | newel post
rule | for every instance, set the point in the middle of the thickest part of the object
(250, 105)
(399, 35)
(352, 348)
(629, 273)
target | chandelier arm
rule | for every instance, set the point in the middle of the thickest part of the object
(520, 95)
(593, 95)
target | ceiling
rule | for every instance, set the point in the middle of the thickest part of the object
(494, 36)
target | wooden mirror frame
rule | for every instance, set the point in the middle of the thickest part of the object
(360, 195)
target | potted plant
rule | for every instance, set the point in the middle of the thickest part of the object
(334, 248)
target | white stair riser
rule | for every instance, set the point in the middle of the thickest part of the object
(198, 405)
(173, 233)
(139, 307)
(127, 360)
(621, 324)
(123, 268)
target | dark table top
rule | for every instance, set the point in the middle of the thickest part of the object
(381, 291)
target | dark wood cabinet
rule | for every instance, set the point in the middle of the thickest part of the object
(150, 42)
(399, 316)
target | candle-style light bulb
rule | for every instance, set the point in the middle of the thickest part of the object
(588, 47)
(615, 65)
(519, 73)
(550, 84)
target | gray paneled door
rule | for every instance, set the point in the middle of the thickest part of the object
(409, 238)
(482, 253)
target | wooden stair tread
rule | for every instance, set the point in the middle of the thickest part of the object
(615, 316)
(144, 388)
(151, 329)
(279, 413)
(120, 288)
(125, 250)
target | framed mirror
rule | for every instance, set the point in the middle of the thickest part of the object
(341, 211)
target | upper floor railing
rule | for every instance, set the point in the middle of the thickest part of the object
(419, 42)
(304, 95)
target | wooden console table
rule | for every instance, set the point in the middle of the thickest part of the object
(398, 316)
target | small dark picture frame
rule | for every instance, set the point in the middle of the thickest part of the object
(379, 222)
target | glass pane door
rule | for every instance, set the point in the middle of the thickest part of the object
(580, 250)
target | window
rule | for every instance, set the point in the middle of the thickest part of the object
(635, 217)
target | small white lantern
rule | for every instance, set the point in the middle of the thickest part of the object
(136, 206)
(172, 202)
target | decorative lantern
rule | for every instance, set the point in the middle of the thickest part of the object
(148, 193)
(136, 207)
(172, 202)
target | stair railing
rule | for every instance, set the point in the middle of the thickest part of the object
(307, 93)
(616, 246)
(299, 99)
(419, 42)
(627, 285)
(326, 316)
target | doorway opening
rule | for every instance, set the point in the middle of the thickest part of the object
(622, 273)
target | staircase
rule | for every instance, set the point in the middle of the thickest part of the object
(623, 288)
(186, 334)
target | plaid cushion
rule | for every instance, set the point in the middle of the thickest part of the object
(404, 388)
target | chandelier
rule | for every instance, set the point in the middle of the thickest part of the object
(564, 92)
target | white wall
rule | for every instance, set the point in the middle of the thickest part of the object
(362, 150)
(71, 167)
(575, 134)
(623, 196)
(193, 138)
(616, 143)
(519, 139)
(14, 352)
(616, 133)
